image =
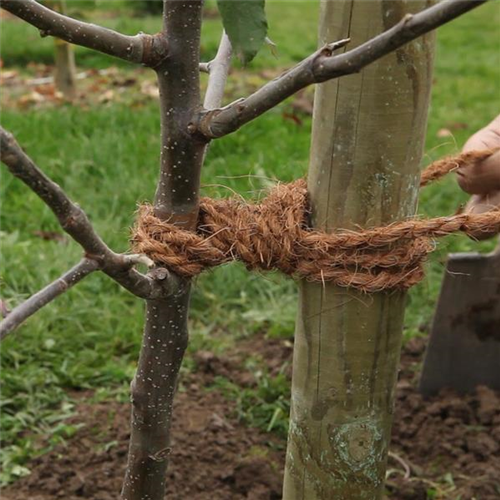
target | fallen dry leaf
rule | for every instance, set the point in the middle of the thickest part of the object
(108, 96)
(149, 88)
(292, 117)
(50, 236)
(47, 90)
(123, 82)
(6, 76)
(303, 105)
(444, 132)
(31, 98)
(457, 126)
(4, 310)
(40, 69)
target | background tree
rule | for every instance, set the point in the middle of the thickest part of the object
(186, 130)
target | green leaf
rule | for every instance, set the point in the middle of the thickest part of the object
(245, 24)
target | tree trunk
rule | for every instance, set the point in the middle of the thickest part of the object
(165, 333)
(64, 58)
(368, 136)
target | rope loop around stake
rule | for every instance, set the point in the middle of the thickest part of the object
(274, 234)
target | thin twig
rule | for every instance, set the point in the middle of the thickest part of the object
(323, 65)
(62, 284)
(204, 67)
(144, 49)
(76, 223)
(406, 467)
(218, 70)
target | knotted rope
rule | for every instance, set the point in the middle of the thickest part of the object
(274, 234)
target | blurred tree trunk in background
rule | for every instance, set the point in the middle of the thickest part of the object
(64, 58)
(368, 137)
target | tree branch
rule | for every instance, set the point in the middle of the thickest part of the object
(218, 70)
(149, 50)
(322, 66)
(62, 284)
(204, 67)
(75, 222)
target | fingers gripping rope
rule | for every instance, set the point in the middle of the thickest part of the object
(274, 234)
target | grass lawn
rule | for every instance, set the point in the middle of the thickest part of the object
(106, 157)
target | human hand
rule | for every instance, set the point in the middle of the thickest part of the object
(483, 179)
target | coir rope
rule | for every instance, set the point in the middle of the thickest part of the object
(274, 234)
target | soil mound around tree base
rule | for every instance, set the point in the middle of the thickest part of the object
(447, 447)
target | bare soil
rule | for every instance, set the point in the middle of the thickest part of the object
(447, 447)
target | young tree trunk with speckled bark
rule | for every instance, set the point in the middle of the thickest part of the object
(368, 137)
(165, 333)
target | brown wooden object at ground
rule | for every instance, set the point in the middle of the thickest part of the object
(464, 348)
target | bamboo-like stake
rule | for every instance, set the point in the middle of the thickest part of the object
(64, 57)
(65, 73)
(368, 136)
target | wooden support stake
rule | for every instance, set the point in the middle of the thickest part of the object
(368, 136)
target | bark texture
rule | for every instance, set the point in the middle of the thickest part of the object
(368, 136)
(165, 334)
